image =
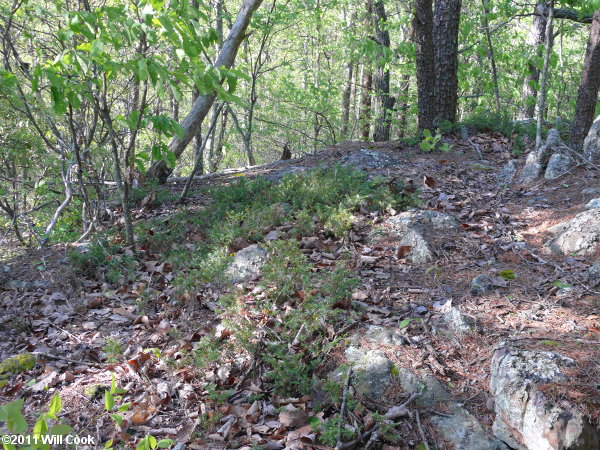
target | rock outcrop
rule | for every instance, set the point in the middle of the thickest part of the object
(591, 144)
(580, 235)
(525, 418)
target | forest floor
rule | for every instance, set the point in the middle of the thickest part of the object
(72, 321)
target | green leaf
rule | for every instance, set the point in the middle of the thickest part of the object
(117, 418)
(109, 401)
(97, 48)
(41, 426)
(165, 443)
(109, 444)
(143, 73)
(113, 384)
(60, 429)
(11, 414)
(55, 404)
(404, 323)
(124, 407)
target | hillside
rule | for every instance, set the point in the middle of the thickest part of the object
(367, 296)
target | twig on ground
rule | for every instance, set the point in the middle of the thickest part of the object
(343, 407)
(62, 358)
(421, 431)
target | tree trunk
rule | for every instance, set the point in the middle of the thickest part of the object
(191, 124)
(537, 37)
(488, 35)
(423, 26)
(346, 100)
(543, 89)
(367, 80)
(588, 88)
(446, 20)
(381, 82)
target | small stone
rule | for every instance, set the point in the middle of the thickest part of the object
(558, 165)
(591, 144)
(247, 264)
(272, 235)
(593, 204)
(507, 174)
(594, 270)
(481, 284)
(459, 323)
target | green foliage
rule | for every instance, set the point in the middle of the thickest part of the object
(507, 274)
(102, 260)
(113, 350)
(431, 142)
(330, 429)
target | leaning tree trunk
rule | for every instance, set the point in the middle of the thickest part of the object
(537, 37)
(423, 26)
(588, 87)
(193, 121)
(384, 102)
(446, 20)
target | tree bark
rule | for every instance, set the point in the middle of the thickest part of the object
(423, 26)
(193, 121)
(491, 57)
(537, 37)
(588, 88)
(384, 102)
(543, 89)
(367, 81)
(446, 20)
(346, 100)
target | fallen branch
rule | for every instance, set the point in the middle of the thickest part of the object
(343, 407)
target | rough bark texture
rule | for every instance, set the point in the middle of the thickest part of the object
(384, 102)
(202, 105)
(537, 36)
(446, 20)
(423, 26)
(588, 88)
(346, 100)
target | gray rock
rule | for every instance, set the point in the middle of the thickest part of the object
(277, 175)
(558, 165)
(537, 160)
(28, 285)
(368, 160)
(372, 371)
(458, 323)
(591, 191)
(580, 235)
(525, 419)
(507, 174)
(420, 251)
(481, 284)
(247, 264)
(591, 144)
(411, 226)
(594, 270)
(462, 431)
(593, 204)
(383, 335)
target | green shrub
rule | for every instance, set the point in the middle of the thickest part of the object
(102, 260)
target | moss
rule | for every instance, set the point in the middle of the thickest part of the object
(95, 391)
(3, 383)
(507, 274)
(18, 363)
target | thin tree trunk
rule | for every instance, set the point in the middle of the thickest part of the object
(202, 105)
(367, 81)
(446, 20)
(381, 81)
(542, 97)
(537, 37)
(423, 26)
(346, 100)
(588, 88)
(488, 35)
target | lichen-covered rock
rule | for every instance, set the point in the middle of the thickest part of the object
(594, 270)
(481, 284)
(411, 228)
(537, 160)
(525, 418)
(580, 235)
(593, 203)
(558, 165)
(459, 323)
(591, 144)
(368, 160)
(247, 264)
(277, 175)
(507, 174)
(461, 429)
(372, 371)
(18, 363)
(383, 335)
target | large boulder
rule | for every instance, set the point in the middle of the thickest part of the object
(580, 235)
(525, 418)
(247, 264)
(591, 144)
(558, 165)
(368, 160)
